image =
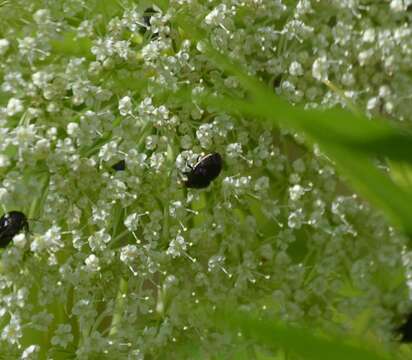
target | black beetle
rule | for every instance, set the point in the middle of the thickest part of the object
(405, 330)
(11, 224)
(205, 171)
(147, 15)
(119, 166)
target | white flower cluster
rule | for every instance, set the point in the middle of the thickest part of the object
(94, 142)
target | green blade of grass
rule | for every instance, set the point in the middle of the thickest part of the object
(348, 139)
(355, 165)
(336, 126)
(307, 343)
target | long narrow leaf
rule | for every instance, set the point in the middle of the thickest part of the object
(304, 342)
(358, 168)
(375, 137)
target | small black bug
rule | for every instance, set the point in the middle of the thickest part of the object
(119, 166)
(147, 15)
(277, 81)
(405, 330)
(205, 170)
(11, 224)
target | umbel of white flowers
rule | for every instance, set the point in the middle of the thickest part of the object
(122, 258)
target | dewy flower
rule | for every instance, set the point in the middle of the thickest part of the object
(14, 106)
(30, 352)
(320, 69)
(4, 46)
(132, 221)
(12, 332)
(177, 246)
(129, 254)
(132, 255)
(125, 106)
(99, 240)
(20, 240)
(92, 263)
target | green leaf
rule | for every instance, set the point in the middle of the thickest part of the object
(69, 45)
(347, 151)
(307, 343)
(336, 126)
(401, 174)
(349, 140)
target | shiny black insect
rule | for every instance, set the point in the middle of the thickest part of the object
(147, 15)
(11, 224)
(204, 172)
(405, 330)
(119, 166)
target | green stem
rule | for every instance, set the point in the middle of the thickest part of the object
(119, 237)
(119, 307)
(100, 318)
(39, 199)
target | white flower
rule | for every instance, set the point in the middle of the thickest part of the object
(369, 35)
(296, 219)
(216, 16)
(122, 48)
(170, 281)
(262, 183)
(50, 241)
(156, 161)
(41, 16)
(234, 150)
(25, 135)
(151, 142)
(52, 238)
(303, 7)
(20, 240)
(14, 106)
(92, 263)
(398, 5)
(132, 221)
(41, 78)
(99, 240)
(129, 254)
(4, 161)
(73, 129)
(296, 192)
(177, 246)
(365, 56)
(30, 352)
(42, 147)
(27, 46)
(12, 332)
(216, 261)
(295, 69)
(108, 151)
(205, 135)
(372, 103)
(4, 46)
(125, 106)
(320, 69)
